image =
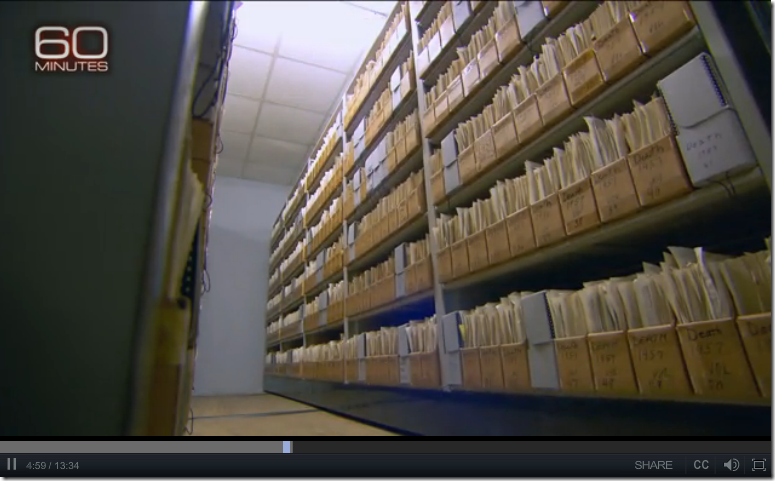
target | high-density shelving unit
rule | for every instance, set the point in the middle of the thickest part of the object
(739, 203)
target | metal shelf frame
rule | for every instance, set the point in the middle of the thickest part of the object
(747, 189)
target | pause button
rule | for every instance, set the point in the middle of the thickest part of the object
(11, 462)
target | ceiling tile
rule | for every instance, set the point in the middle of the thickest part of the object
(377, 6)
(299, 85)
(239, 114)
(288, 123)
(248, 72)
(228, 167)
(322, 38)
(269, 174)
(235, 146)
(278, 152)
(331, 34)
(257, 26)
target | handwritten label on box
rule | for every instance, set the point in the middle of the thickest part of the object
(573, 365)
(553, 101)
(614, 191)
(618, 52)
(579, 210)
(583, 78)
(658, 23)
(611, 363)
(658, 172)
(547, 221)
(715, 359)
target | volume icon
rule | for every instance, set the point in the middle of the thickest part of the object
(732, 465)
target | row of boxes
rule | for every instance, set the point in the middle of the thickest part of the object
(403, 143)
(327, 191)
(724, 358)
(328, 313)
(332, 225)
(390, 153)
(621, 189)
(317, 164)
(286, 332)
(285, 245)
(293, 295)
(649, 176)
(506, 44)
(399, 28)
(403, 205)
(375, 290)
(415, 369)
(327, 263)
(412, 275)
(612, 56)
(378, 116)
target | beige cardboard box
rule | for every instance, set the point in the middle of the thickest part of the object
(611, 363)
(471, 77)
(498, 242)
(548, 224)
(573, 364)
(657, 24)
(658, 172)
(614, 190)
(492, 368)
(460, 264)
(516, 370)
(553, 101)
(716, 360)
(756, 333)
(472, 369)
(527, 119)
(579, 210)
(508, 41)
(618, 52)
(488, 60)
(477, 251)
(583, 78)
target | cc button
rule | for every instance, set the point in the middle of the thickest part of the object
(699, 465)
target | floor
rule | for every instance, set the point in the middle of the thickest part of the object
(266, 414)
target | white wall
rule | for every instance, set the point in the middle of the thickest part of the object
(232, 325)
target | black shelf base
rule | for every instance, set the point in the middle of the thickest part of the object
(437, 413)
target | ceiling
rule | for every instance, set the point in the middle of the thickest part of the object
(289, 69)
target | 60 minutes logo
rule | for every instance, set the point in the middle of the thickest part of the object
(70, 58)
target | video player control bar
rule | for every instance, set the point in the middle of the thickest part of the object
(387, 465)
